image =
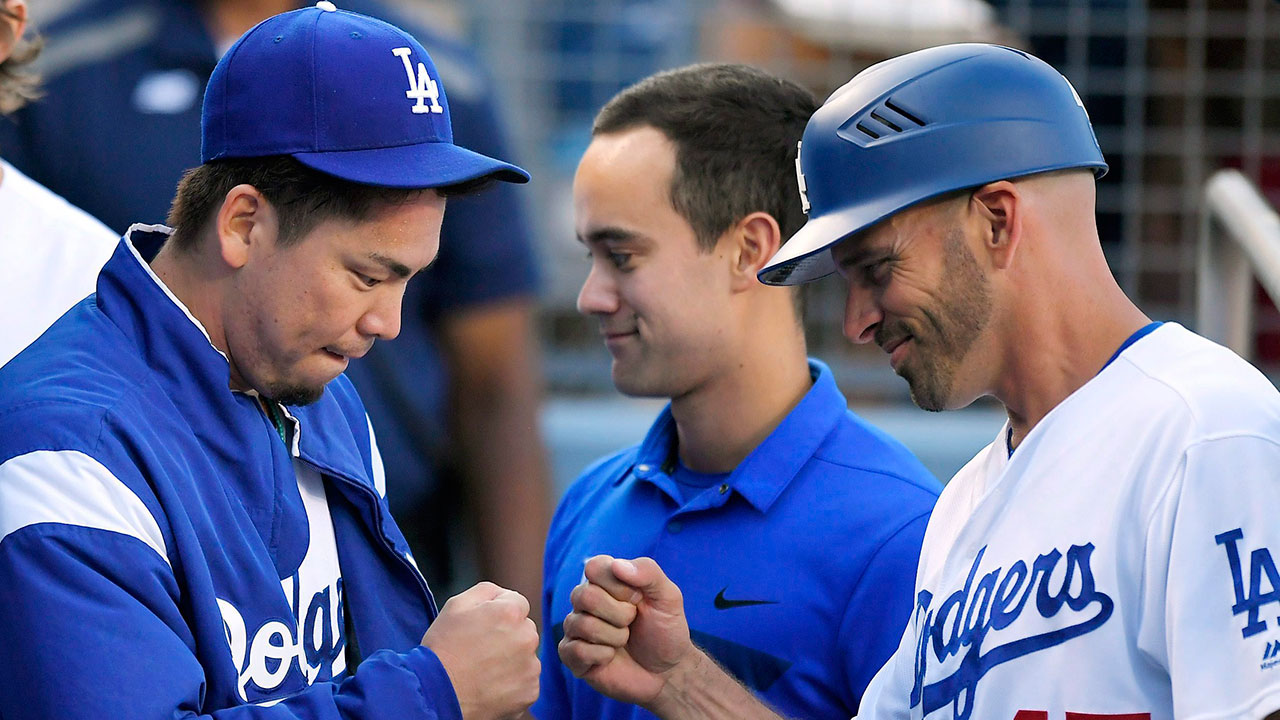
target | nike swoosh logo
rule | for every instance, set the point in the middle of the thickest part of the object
(723, 603)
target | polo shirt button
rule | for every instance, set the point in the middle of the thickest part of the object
(675, 526)
(642, 469)
(724, 488)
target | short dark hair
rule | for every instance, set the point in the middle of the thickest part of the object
(301, 196)
(735, 130)
(18, 85)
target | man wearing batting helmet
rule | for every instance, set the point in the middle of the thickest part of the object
(1113, 553)
(192, 504)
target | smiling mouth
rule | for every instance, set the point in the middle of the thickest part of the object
(896, 349)
(891, 346)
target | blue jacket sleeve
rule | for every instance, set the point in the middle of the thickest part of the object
(93, 627)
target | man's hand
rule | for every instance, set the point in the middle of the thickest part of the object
(628, 638)
(488, 646)
(627, 634)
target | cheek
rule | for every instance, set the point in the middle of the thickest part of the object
(325, 302)
(908, 291)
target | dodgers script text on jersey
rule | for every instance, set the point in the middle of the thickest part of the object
(1111, 567)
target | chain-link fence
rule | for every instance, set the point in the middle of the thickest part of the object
(1176, 89)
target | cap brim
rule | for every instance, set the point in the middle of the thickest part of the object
(807, 255)
(425, 165)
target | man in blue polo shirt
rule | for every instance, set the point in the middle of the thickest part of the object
(455, 397)
(792, 525)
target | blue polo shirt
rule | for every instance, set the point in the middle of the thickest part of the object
(797, 570)
(120, 123)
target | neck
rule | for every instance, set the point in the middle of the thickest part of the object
(184, 274)
(1058, 342)
(721, 422)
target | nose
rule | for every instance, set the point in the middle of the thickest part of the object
(382, 319)
(862, 313)
(599, 293)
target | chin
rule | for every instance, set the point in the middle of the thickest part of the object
(925, 391)
(633, 385)
(294, 394)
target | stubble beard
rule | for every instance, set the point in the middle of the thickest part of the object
(955, 322)
(296, 395)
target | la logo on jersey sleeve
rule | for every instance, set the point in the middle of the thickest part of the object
(1254, 589)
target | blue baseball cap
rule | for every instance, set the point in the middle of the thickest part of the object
(343, 93)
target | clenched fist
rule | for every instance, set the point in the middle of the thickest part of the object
(488, 646)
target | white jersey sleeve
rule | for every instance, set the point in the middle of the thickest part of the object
(887, 697)
(1211, 601)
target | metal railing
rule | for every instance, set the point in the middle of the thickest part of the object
(1228, 261)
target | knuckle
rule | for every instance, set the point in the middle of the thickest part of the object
(571, 623)
(509, 613)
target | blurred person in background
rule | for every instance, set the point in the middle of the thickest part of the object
(792, 524)
(455, 397)
(50, 251)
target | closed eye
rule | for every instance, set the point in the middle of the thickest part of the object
(875, 273)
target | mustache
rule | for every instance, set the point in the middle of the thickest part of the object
(888, 333)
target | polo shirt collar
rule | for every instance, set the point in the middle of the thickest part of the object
(765, 473)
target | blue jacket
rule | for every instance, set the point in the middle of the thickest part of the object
(144, 64)
(151, 528)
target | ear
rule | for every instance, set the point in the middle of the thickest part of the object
(997, 210)
(755, 238)
(246, 222)
(17, 25)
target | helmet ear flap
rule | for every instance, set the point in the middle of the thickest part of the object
(919, 126)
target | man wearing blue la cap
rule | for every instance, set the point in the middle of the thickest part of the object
(192, 518)
(1113, 553)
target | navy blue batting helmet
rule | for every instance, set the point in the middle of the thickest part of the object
(922, 125)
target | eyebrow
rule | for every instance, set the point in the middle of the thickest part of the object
(857, 256)
(397, 268)
(608, 233)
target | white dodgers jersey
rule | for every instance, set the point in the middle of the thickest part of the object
(1121, 565)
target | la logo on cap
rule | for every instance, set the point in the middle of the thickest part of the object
(421, 86)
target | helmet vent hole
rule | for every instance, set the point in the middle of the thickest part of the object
(867, 131)
(905, 114)
(885, 121)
